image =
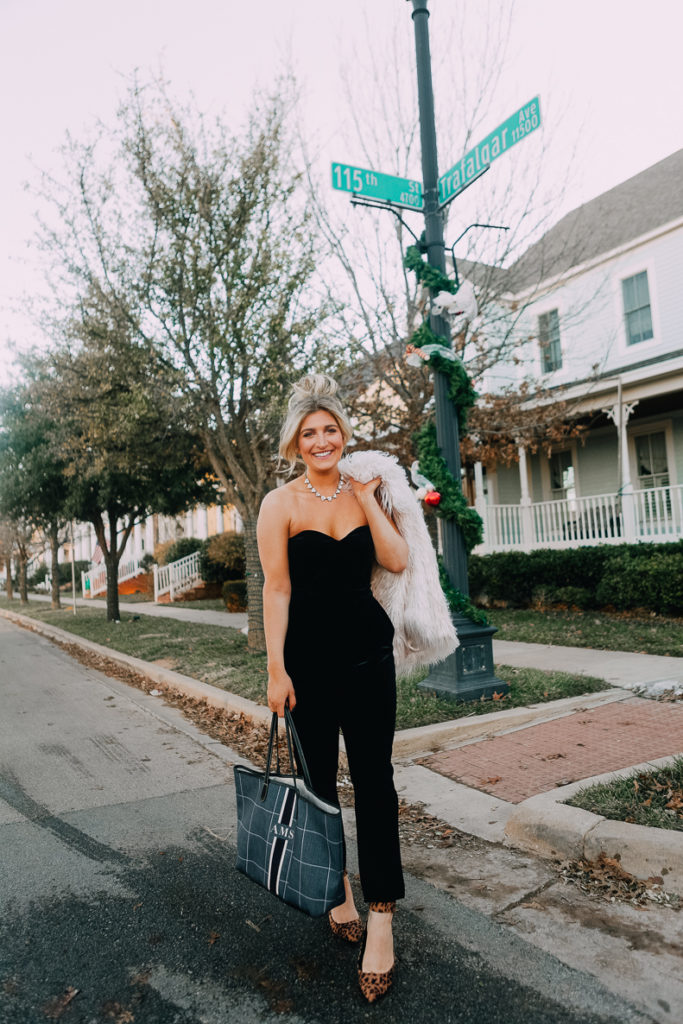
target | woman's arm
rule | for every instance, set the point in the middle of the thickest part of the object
(273, 533)
(391, 551)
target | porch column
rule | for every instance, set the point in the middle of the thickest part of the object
(619, 415)
(149, 535)
(189, 523)
(219, 519)
(137, 542)
(480, 500)
(202, 522)
(527, 522)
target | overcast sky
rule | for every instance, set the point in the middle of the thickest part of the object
(612, 67)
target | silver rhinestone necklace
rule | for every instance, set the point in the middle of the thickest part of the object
(323, 497)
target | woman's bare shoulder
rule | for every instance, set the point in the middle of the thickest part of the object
(281, 499)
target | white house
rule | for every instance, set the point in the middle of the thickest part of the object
(607, 319)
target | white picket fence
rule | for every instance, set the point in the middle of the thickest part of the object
(176, 577)
(94, 581)
(655, 514)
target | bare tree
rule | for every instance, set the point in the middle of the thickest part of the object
(198, 238)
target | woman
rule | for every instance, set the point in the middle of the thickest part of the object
(330, 649)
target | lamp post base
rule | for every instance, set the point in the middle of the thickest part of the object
(468, 673)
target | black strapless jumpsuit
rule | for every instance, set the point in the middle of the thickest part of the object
(338, 653)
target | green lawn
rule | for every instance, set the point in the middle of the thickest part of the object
(647, 798)
(648, 635)
(219, 655)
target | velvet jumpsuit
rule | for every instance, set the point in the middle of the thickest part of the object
(338, 654)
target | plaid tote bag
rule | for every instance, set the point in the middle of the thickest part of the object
(289, 840)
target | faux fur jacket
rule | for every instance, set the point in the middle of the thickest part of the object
(413, 599)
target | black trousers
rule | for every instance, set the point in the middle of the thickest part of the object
(359, 699)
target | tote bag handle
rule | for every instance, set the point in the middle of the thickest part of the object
(291, 734)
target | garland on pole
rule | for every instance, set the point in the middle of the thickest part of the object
(451, 504)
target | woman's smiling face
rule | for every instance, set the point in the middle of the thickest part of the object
(320, 441)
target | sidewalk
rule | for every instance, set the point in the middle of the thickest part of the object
(504, 776)
(236, 620)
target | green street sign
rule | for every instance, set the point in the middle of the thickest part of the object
(514, 129)
(374, 185)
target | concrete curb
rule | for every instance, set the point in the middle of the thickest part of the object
(546, 826)
(424, 739)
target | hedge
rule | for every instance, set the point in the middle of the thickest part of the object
(623, 576)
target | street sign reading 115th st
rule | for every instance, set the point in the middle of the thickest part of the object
(373, 185)
(514, 129)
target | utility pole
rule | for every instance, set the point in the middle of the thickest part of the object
(468, 673)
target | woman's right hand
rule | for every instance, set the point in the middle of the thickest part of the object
(280, 692)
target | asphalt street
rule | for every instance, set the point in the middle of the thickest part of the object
(119, 900)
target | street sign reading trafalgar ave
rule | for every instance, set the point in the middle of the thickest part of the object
(517, 127)
(373, 185)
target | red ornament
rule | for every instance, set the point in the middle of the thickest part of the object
(432, 498)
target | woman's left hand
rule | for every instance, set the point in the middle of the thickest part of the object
(391, 551)
(364, 492)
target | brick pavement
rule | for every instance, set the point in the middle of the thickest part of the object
(538, 758)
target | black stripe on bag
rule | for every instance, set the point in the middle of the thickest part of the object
(282, 836)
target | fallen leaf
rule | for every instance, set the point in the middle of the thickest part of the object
(213, 937)
(493, 780)
(56, 1006)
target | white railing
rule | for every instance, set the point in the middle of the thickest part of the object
(659, 512)
(95, 580)
(176, 577)
(655, 514)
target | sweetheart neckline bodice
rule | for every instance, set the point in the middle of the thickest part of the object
(337, 540)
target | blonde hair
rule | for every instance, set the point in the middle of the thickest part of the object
(310, 394)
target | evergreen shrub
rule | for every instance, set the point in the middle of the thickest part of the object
(624, 576)
(644, 579)
(180, 548)
(223, 558)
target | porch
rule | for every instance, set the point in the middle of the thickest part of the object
(655, 514)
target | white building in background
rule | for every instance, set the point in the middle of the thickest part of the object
(201, 521)
(608, 322)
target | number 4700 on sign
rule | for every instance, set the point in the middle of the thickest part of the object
(375, 185)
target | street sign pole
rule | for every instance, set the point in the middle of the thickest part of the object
(468, 673)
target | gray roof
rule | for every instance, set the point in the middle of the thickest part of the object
(639, 205)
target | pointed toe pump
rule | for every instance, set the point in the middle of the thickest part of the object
(349, 931)
(373, 984)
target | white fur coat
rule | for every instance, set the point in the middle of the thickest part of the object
(413, 599)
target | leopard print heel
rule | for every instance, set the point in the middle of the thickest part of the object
(350, 931)
(373, 984)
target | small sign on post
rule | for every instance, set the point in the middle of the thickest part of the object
(406, 192)
(520, 124)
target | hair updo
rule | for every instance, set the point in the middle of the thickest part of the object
(311, 393)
